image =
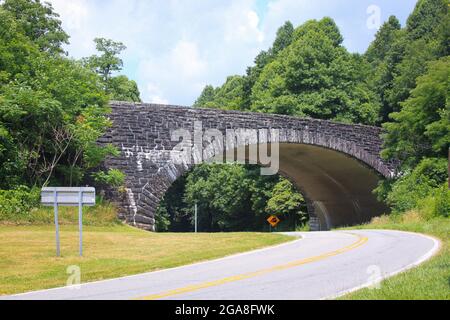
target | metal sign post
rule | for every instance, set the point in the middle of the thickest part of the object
(195, 218)
(68, 197)
(55, 210)
(80, 220)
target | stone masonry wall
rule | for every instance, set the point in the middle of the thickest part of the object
(142, 132)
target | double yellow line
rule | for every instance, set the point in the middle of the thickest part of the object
(361, 240)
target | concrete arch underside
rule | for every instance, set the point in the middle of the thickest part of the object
(337, 188)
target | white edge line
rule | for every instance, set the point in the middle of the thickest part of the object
(300, 235)
(436, 248)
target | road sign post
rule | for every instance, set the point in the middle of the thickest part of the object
(55, 210)
(80, 221)
(273, 221)
(195, 218)
(56, 196)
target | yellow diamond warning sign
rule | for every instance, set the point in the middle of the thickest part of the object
(273, 220)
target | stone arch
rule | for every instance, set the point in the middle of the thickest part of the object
(328, 154)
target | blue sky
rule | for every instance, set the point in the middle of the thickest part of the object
(176, 47)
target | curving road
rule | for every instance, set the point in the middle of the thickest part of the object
(319, 265)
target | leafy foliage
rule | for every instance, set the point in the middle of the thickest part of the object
(39, 23)
(113, 178)
(399, 56)
(401, 82)
(17, 202)
(437, 204)
(229, 96)
(229, 198)
(384, 54)
(287, 203)
(123, 89)
(422, 127)
(105, 65)
(408, 192)
(52, 109)
(425, 19)
(307, 72)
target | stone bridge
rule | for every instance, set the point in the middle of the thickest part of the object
(335, 166)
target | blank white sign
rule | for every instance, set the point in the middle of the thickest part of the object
(68, 196)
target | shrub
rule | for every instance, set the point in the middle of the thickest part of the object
(407, 192)
(113, 178)
(436, 204)
(16, 204)
(162, 219)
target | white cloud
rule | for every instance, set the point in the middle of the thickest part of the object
(242, 24)
(74, 12)
(154, 94)
(175, 47)
(76, 15)
(185, 58)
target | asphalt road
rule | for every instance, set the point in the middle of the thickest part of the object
(319, 265)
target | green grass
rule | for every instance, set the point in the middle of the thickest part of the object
(28, 262)
(430, 280)
(103, 214)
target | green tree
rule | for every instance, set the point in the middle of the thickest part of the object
(222, 196)
(39, 22)
(422, 42)
(16, 49)
(384, 54)
(422, 127)
(206, 98)
(108, 63)
(380, 48)
(284, 37)
(84, 154)
(315, 76)
(123, 89)
(415, 185)
(235, 93)
(52, 109)
(229, 197)
(287, 203)
(416, 56)
(426, 18)
(230, 95)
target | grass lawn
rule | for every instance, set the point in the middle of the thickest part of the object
(28, 262)
(430, 280)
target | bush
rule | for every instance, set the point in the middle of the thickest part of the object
(113, 178)
(437, 204)
(162, 219)
(407, 192)
(442, 201)
(17, 204)
(21, 207)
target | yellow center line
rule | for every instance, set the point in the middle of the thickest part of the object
(361, 240)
